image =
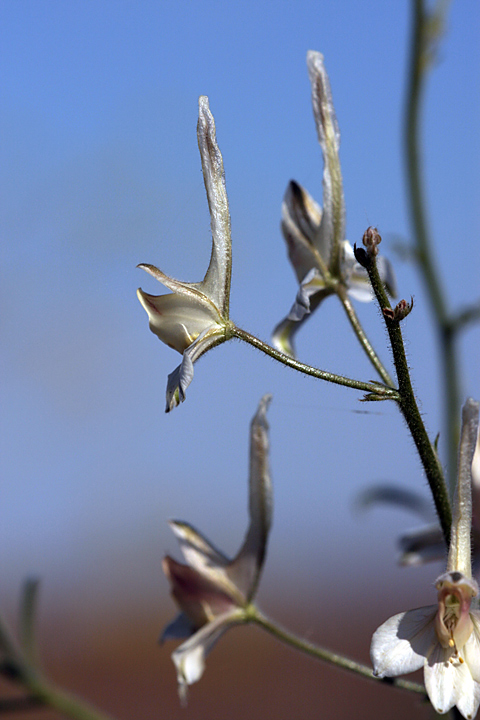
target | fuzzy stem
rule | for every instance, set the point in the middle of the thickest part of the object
(408, 405)
(327, 656)
(387, 393)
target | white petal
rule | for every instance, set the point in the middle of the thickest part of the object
(245, 569)
(440, 678)
(450, 684)
(216, 283)
(177, 319)
(197, 550)
(401, 644)
(354, 275)
(468, 703)
(471, 649)
(189, 657)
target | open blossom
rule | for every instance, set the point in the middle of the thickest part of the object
(195, 316)
(444, 639)
(321, 257)
(213, 592)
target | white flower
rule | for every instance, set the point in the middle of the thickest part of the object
(213, 592)
(318, 251)
(195, 317)
(444, 639)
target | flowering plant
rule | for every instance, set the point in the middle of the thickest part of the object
(215, 592)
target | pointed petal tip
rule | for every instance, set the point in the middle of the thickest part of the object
(314, 57)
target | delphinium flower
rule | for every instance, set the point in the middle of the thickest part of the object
(444, 639)
(321, 257)
(195, 316)
(213, 592)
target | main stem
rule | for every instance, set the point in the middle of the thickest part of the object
(408, 406)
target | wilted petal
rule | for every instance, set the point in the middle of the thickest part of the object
(402, 643)
(178, 381)
(216, 283)
(311, 285)
(189, 657)
(284, 333)
(182, 376)
(332, 227)
(245, 569)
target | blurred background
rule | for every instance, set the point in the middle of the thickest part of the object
(100, 171)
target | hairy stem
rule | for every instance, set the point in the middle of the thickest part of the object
(387, 393)
(408, 405)
(327, 656)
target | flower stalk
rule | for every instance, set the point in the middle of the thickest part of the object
(381, 392)
(332, 658)
(406, 397)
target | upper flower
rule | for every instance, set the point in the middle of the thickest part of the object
(195, 317)
(443, 638)
(213, 592)
(318, 251)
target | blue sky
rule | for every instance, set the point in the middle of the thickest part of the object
(100, 171)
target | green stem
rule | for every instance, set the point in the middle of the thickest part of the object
(362, 338)
(387, 393)
(408, 406)
(426, 28)
(40, 691)
(65, 703)
(330, 657)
